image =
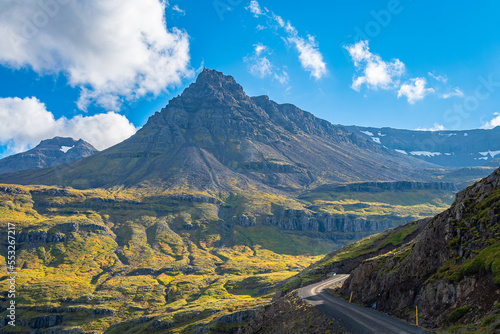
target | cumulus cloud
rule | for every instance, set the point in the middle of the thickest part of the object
(310, 57)
(376, 73)
(112, 50)
(455, 93)
(415, 90)
(493, 123)
(436, 127)
(25, 122)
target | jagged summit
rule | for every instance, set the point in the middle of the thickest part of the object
(214, 136)
(214, 85)
(49, 153)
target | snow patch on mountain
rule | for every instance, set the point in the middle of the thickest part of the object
(492, 153)
(425, 153)
(65, 149)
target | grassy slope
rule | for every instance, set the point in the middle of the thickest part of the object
(135, 254)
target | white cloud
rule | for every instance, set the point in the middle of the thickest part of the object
(255, 8)
(178, 10)
(282, 77)
(456, 92)
(436, 127)
(415, 90)
(493, 123)
(439, 77)
(279, 19)
(376, 73)
(112, 50)
(310, 57)
(261, 67)
(259, 48)
(25, 122)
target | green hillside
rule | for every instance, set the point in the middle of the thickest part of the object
(124, 260)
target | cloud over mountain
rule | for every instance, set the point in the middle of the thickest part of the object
(25, 122)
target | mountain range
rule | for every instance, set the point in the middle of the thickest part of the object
(49, 153)
(464, 148)
(215, 137)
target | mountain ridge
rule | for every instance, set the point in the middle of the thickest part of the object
(215, 137)
(448, 148)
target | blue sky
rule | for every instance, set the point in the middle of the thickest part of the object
(98, 71)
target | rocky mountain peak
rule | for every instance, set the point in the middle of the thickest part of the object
(212, 84)
(58, 142)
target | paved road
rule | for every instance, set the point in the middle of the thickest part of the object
(354, 318)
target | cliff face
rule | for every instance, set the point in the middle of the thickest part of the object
(452, 270)
(301, 220)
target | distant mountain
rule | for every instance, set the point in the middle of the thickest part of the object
(466, 148)
(49, 153)
(215, 137)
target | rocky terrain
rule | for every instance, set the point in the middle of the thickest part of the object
(49, 153)
(290, 314)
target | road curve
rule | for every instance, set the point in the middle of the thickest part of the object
(354, 318)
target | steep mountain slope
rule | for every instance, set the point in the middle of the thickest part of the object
(464, 148)
(49, 153)
(214, 137)
(452, 270)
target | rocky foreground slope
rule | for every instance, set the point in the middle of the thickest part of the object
(452, 270)
(49, 153)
